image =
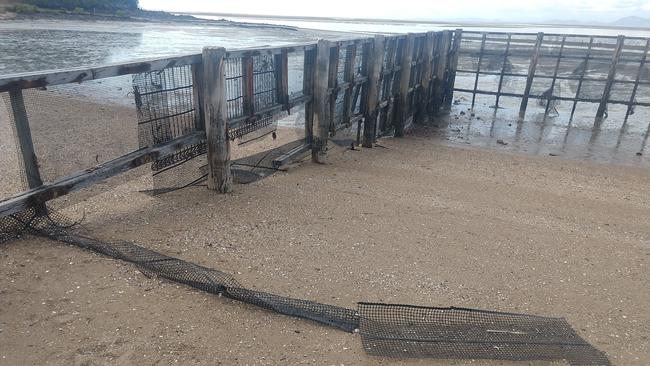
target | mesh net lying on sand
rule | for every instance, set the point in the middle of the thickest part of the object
(386, 329)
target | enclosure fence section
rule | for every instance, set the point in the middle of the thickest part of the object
(596, 71)
(180, 113)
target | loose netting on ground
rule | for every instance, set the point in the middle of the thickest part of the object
(386, 329)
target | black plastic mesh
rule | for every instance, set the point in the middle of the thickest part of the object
(413, 331)
(386, 330)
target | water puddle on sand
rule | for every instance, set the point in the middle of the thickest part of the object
(482, 127)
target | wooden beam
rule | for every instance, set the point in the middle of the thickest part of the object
(39, 195)
(320, 109)
(532, 67)
(478, 67)
(370, 110)
(453, 66)
(218, 143)
(602, 107)
(197, 96)
(291, 155)
(24, 136)
(404, 84)
(581, 79)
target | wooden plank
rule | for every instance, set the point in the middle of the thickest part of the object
(503, 70)
(197, 96)
(602, 107)
(404, 84)
(24, 136)
(218, 143)
(320, 110)
(39, 195)
(581, 79)
(350, 65)
(370, 110)
(554, 80)
(248, 89)
(453, 66)
(639, 73)
(291, 155)
(532, 67)
(478, 68)
(78, 75)
(309, 69)
(427, 76)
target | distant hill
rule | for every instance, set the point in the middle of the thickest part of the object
(632, 22)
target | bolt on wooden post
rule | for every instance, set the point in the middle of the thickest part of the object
(214, 109)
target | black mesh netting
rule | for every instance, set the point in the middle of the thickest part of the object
(386, 330)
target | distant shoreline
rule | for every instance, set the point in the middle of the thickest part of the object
(456, 22)
(144, 16)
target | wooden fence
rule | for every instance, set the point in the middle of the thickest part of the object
(384, 84)
(602, 70)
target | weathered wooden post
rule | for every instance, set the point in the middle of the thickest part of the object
(320, 107)
(427, 73)
(24, 135)
(581, 79)
(371, 110)
(478, 68)
(556, 70)
(348, 77)
(214, 109)
(404, 84)
(639, 73)
(506, 53)
(441, 68)
(602, 107)
(453, 66)
(532, 67)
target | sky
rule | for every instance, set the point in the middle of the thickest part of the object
(507, 10)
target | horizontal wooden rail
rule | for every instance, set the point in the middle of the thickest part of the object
(100, 172)
(78, 75)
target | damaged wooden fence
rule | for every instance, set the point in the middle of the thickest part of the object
(600, 71)
(382, 85)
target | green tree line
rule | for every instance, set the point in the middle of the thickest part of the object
(88, 5)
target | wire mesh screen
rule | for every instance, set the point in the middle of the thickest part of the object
(77, 126)
(167, 111)
(234, 88)
(264, 82)
(413, 331)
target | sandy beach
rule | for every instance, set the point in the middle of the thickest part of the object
(421, 221)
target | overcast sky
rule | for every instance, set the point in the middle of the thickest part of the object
(510, 10)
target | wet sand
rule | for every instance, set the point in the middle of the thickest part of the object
(424, 220)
